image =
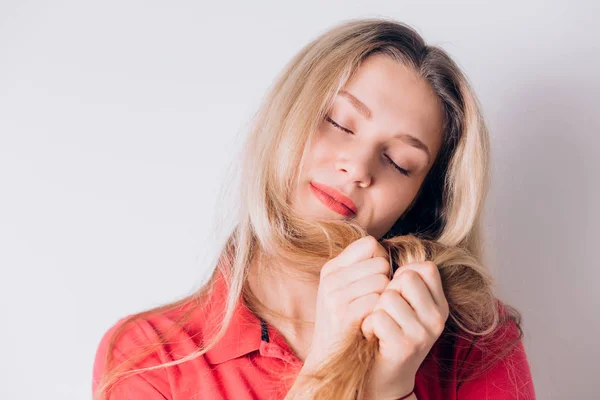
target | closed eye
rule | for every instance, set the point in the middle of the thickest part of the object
(396, 166)
(332, 122)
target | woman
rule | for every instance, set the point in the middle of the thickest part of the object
(370, 142)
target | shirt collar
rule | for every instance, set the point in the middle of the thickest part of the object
(244, 333)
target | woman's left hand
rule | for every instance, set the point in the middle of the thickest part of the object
(407, 320)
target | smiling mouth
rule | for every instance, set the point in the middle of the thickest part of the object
(331, 203)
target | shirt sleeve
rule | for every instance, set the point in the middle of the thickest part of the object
(148, 385)
(507, 379)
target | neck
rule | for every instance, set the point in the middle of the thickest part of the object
(294, 298)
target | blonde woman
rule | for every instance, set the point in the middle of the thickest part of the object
(355, 269)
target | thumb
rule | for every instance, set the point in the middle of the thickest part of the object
(367, 327)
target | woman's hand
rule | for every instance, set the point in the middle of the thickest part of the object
(349, 288)
(409, 317)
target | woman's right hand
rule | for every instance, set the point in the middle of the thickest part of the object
(349, 288)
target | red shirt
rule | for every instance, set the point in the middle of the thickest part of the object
(245, 363)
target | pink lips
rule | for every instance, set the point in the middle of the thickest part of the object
(338, 197)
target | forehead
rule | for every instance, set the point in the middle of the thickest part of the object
(399, 100)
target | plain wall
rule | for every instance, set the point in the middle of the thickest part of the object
(118, 120)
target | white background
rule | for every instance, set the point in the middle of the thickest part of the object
(118, 120)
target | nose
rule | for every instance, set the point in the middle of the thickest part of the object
(356, 165)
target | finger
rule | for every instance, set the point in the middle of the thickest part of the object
(361, 249)
(390, 335)
(367, 327)
(430, 275)
(410, 285)
(344, 277)
(413, 289)
(373, 284)
(397, 307)
(362, 307)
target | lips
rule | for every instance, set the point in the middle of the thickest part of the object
(336, 195)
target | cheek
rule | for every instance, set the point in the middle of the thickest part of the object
(392, 209)
(315, 154)
(324, 145)
(392, 203)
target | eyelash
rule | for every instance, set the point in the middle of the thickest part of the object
(335, 124)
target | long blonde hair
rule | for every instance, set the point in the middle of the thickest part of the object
(442, 224)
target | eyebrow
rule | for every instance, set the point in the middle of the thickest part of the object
(366, 112)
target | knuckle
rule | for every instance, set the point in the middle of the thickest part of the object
(439, 328)
(422, 346)
(430, 269)
(382, 263)
(371, 242)
(359, 310)
(421, 334)
(387, 297)
(379, 261)
(420, 339)
(381, 281)
(326, 269)
(446, 309)
(378, 316)
(413, 349)
(370, 301)
(409, 276)
(438, 324)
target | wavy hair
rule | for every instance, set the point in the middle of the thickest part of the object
(443, 224)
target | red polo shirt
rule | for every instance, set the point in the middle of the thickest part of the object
(245, 363)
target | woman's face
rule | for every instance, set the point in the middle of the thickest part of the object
(386, 115)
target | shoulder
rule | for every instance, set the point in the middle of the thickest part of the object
(468, 367)
(122, 349)
(496, 365)
(142, 341)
